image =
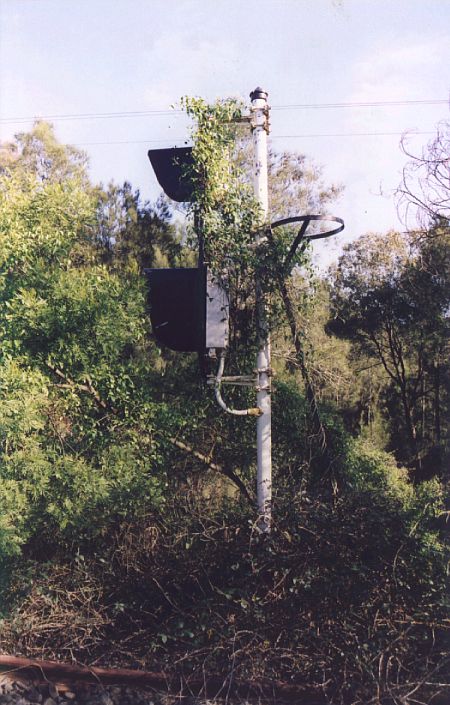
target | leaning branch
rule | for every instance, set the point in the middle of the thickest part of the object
(214, 466)
(87, 386)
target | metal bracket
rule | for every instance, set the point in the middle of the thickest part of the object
(237, 380)
(243, 118)
(263, 387)
(267, 123)
(262, 121)
(259, 117)
(269, 371)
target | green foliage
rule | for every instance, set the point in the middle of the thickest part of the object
(226, 206)
(132, 233)
(232, 231)
(77, 451)
(337, 589)
(38, 152)
(229, 215)
(56, 483)
(117, 522)
(389, 297)
(374, 471)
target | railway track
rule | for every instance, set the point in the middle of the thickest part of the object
(35, 682)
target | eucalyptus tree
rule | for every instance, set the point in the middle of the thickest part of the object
(394, 309)
(39, 152)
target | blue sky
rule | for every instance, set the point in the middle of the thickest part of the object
(72, 57)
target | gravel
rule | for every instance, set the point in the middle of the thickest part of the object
(14, 692)
(19, 693)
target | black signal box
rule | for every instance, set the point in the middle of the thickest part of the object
(177, 305)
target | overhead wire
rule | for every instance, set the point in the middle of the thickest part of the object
(362, 104)
(177, 113)
(182, 140)
(162, 112)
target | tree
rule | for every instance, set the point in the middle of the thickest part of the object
(424, 194)
(424, 200)
(296, 186)
(123, 229)
(394, 309)
(88, 487)
(76, 446)
(38, 152)
(130, 231)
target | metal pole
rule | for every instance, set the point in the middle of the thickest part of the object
(260, 127)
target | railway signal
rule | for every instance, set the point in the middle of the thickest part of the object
(171, 167)
(189, 310)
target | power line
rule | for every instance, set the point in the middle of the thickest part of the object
(178, 140)
(182, 140)
(176, 112)
(372, 104)
(355, 134)
(92, 116)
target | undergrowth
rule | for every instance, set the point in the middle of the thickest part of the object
(347, 594)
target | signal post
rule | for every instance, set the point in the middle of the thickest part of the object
(189, 310)
(259, 122)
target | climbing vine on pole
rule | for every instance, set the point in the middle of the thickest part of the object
(222, 198)
(225, 204)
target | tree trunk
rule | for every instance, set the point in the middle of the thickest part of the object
(317, 427)
(437, 401)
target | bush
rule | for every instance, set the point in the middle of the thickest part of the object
(348, 592)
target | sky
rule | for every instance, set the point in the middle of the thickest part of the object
(72, 60)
